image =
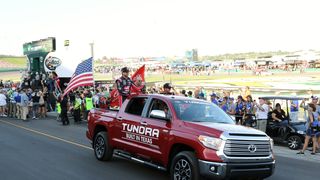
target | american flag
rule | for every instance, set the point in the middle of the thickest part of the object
(82, 77)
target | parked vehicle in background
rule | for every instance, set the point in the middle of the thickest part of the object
(292, 133)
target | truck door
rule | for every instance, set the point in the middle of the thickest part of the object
(157, 122)
(127, 126)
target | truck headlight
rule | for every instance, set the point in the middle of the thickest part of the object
(301, 132)
(210, 142)
(271, 144)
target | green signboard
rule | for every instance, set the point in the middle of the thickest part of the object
(41, 46)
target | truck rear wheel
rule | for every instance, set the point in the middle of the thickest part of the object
(102, 149)
(184, 166)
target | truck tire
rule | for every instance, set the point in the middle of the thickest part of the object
(294, 142)
(101, 147)
(184, 166)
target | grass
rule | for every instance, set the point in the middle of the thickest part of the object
(17, 61)
(14, 77)
(251, 84)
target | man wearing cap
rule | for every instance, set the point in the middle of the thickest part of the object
(167, 89)
(214, 99)
(262, 110)
(124, 84)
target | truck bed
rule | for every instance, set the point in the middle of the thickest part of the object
(105, 112)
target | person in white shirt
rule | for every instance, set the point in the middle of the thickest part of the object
(262, 110)
(3, 103)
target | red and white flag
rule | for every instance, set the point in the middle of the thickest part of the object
(138, 75)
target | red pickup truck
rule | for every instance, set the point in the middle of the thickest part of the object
(187, 137)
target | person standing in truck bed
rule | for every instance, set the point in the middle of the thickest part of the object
(124, 84)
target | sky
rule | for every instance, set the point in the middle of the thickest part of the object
(126, 28)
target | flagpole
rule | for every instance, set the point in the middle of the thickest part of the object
(92, 55)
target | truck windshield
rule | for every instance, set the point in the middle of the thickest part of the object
(200, 111)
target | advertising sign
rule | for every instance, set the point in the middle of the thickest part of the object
(52, 62)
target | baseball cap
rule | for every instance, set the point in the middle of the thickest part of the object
(314, 97)
(213, 94)
(167, 85)
(125, 69)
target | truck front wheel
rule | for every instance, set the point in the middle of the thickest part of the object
(102, 149)
(184, 166)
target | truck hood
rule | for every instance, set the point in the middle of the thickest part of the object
(227, 128)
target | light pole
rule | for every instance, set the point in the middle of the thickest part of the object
(92, 49)
(92, 54)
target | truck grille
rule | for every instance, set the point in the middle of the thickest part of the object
(245, 148)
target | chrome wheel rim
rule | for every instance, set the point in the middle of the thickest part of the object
(182, 170)
(99, 147)
(293, 142)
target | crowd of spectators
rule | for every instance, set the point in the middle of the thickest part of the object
(32, 98)
(206, 69)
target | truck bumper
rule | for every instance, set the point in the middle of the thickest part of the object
(228, 170)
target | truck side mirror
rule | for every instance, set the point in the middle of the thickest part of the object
(158, 114)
